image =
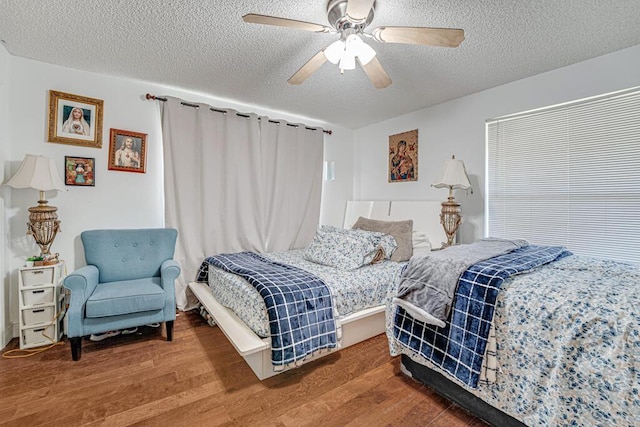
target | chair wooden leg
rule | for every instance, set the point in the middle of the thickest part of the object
(169, 330)
(76, 348)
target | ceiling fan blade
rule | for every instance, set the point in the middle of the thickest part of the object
(358, 10)
(444, 37)
(252, 18)
(376, 73)
(307, 69)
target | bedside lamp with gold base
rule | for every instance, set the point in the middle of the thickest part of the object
(40, 173)
(454, 176)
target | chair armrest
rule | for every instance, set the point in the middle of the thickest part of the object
(81, 283)
(169, 272)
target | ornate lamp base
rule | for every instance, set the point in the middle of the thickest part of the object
(450, 218)
(43, 225)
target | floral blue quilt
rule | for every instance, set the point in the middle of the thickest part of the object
(568, 345)
(299, 304)
(459, 346)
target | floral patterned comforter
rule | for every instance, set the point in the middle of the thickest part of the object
(352, 291)
(568, 345)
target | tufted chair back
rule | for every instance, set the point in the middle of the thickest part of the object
(128, 254)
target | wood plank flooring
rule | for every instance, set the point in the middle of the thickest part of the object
(199, 379)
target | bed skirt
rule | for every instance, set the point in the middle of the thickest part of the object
(457, 394)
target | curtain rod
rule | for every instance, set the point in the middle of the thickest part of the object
(187, 104)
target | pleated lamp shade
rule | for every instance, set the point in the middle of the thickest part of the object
(37, 172)
(454, 175)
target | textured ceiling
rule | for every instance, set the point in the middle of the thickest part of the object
(203, 45)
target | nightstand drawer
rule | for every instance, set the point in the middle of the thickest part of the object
(31, 336)
(38, 296)
(39, 276)
(34, 316)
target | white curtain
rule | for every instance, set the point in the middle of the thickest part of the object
(292, 176)
(236, 183)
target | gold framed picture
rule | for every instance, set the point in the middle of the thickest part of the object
(127, 151)
(75, 119)
(79, 171)
(403, 156)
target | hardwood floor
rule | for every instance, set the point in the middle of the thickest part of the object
(199, 379)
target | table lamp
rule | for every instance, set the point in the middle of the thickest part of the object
(40, 173)
(454, 175)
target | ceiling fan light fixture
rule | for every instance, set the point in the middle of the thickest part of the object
(358, 48)
(347, 62)
(365, 53)
(334, 51)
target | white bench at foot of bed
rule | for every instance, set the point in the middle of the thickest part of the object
(256, 351)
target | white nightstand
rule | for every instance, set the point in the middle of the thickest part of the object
(42, 305)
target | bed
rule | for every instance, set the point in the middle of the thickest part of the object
(567, 348)
(240, 312)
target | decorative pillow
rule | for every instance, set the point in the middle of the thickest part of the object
(400, 230)
(385, 243)
(348, 249)
(340, 250)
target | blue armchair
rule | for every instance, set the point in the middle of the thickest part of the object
(128, 281)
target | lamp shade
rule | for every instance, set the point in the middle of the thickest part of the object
(334, 51)
(356, 47)
(454, 175)
(347, 62)
(37, 172)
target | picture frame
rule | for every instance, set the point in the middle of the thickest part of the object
(127, 151)
(75, 119)
(403, 156)
(79, 171)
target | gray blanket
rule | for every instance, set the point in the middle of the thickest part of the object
(428, 284)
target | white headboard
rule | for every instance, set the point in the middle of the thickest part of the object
(424, 213)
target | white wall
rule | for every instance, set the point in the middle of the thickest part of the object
(338, 148)
(119, 199)
(5, 323)
(458, 127)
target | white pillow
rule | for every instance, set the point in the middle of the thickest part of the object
(421, 244)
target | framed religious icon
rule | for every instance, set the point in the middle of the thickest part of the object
(75, 119)
(127, 151)
(79, 171)
(403, 156)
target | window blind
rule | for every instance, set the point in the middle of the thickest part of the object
(568, 175)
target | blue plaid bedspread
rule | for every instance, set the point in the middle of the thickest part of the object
(299, 304)
(459, 347)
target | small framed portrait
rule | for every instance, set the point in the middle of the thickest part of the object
(403, 156)
(79, 171)
(75, 120)
(127, 151)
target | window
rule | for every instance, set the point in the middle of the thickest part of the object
(569, 175)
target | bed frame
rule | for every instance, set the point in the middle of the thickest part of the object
(356, 327)
(457, 394)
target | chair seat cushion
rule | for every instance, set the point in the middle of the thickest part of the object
(128, 296)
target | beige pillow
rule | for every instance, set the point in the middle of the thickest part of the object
(400, 230)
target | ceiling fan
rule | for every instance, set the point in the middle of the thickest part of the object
(349, 18)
